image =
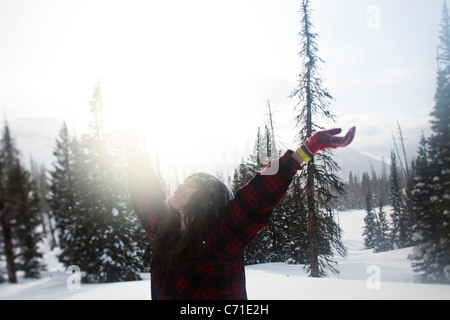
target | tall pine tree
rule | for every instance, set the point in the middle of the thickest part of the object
(115, 246)
(100, 233)
(399, 233)
(319, 174)
(20, 213)
(431, 255)
(22, 190)
(426, 221)
(63, 194)
(9, 156)
(440, 151)
(370, 224)
(382, 239)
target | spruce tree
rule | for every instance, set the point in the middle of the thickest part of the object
(440, 153)
(370, 224)
(25, 210)
(399, 233)
(7, 237)
(365, 189)
(425, 234)
(20, 209)
(9, 157)
(321, 182)
(382, 239)
(63, 194)
(114, 247)
(384, 186)
(297, 241)
(242, 174)
(351, 192)
(431, 255)
(100, 233)
(39, 175)
(68, 190)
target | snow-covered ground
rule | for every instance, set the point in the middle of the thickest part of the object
(363, 275)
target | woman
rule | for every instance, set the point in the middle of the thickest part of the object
(199, 234)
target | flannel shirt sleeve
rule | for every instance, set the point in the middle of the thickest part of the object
(250, 210)
(146, 195)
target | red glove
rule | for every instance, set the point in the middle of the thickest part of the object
(324, 139)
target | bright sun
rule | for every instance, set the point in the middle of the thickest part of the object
(181, 134)
(168, 71)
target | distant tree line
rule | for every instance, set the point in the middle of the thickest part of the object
(357, 187)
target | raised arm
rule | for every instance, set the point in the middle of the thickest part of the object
(147, 198)
(250, 210)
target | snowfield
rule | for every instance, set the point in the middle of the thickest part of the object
(363, 275)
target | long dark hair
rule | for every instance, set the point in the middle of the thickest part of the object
(171, 245)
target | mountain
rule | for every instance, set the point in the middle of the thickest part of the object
(36, 137)
(352, 160)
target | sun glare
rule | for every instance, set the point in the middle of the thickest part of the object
(182, 135)
(194, 84)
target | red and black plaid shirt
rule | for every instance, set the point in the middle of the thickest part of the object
(219, 272)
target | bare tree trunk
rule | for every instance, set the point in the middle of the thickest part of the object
(312, 232)
(312, 226)
(403, 148)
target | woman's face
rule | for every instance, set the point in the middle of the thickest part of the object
(182, 195)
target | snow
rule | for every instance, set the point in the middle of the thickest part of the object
(115, 212)
(363, 275)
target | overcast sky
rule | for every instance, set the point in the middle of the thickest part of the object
(196, 75)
